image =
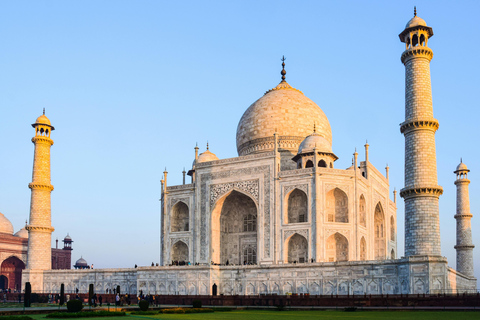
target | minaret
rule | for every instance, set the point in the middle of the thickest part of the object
(40, 226)
(464, 245)
(421, 191)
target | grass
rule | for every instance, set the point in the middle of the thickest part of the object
(305, 315)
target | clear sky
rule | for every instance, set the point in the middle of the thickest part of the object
(131, 86)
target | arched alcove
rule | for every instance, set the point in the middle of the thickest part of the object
(337, 206)
(392, 254)
(362, 212)
(309, 164)
(322, 163)
(392, 228)
(363, 249)
(180, 217)
(337, 248)
(297, 249)
(179, 251)
(234, 229)
(297, 207)
(379, 230)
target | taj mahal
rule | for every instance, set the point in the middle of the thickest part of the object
(281, 217)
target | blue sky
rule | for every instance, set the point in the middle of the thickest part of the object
(131, 86)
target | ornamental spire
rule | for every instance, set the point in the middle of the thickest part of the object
(415, 11)
(283, 72)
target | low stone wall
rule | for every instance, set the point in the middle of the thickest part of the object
(415, 275)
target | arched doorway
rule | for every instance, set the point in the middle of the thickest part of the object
(297, 249)
(11, 269)
(180, 252)
(337, 206)
(337, 248)
(297, 207)
(234, 230)
(180, 217)
(3, 282)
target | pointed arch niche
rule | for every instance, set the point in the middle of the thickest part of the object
(337, 206)
(297, 205)
(297, 249)
(337, 248)
(362, 212)
(234, 229)
(180, 217)
(179, 251)
(363, 249)
(392, 228)
(379, 230)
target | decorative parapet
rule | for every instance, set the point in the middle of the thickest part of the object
(296, 172)
(264, 155)
(414, 52)
(413, 124)
(41, 186)
(421, 191)
(42, 139)
(181, 187)
(40, 228)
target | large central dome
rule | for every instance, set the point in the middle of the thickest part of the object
(284, 110)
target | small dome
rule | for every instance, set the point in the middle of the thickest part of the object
(67, 238)
(207, 156)
(43, 120)
(5, 225)
(415, 21)
(314, 140)
(22, 233)
(462, 167)
(81, 263)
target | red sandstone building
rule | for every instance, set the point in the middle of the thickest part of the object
(13, 255)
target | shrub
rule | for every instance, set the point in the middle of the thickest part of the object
(16, 318)
(62, 294)
(74, 305)
(197, 303)
(35, 297)
(143, 305)
(86, 314)
(350, 309)
(90, 294)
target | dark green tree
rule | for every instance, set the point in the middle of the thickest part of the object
(28, 295)
(62, 294)
(90, 294)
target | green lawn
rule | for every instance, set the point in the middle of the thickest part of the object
(304, 315)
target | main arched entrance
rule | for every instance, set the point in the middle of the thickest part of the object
(11, 273)
(234, 230)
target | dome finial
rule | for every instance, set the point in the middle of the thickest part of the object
(461, 160)
(283, 72)
(415, 11)
(207, 145)
(43, 111)
(314, 127)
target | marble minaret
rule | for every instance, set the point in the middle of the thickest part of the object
(421, 191)
(464, 245)
(40, 225)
